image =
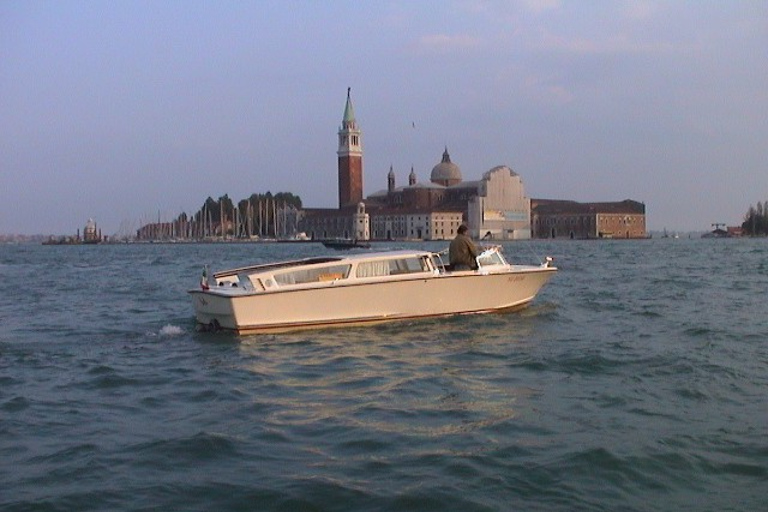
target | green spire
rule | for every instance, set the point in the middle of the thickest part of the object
(349, 112)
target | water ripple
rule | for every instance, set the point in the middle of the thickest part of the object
(636, 382)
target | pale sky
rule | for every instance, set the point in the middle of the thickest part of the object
(130, 111)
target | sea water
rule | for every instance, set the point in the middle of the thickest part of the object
(637, 380)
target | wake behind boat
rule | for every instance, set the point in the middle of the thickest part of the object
(359, 289)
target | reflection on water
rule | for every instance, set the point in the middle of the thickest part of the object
(372, 383)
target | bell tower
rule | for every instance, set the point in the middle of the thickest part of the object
(350, 158)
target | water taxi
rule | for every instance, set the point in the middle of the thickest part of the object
(360, 289)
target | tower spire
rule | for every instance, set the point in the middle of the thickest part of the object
(350, 155)
(349, 112)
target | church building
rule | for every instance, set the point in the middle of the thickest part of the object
(493, 207)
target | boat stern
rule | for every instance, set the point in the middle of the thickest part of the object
(213, 311)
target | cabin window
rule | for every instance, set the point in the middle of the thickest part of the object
(372, 269)
(313, 275)
(391, 267)
(407, 265)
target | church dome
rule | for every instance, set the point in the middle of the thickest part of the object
(90, 227)
(446, 172)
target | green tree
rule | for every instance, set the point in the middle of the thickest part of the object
(756, 220)
(256, 213)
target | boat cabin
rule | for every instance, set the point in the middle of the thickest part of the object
(328, 271)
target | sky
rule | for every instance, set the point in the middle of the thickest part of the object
(132, 111)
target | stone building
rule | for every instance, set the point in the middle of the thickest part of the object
(326, 223)
(570, 219)
(500, 210)
(415, 224)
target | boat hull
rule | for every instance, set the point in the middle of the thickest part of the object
(363, 303)
(346, 244)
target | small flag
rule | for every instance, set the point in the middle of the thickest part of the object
(204, 278)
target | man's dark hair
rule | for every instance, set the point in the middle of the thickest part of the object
(462, 229)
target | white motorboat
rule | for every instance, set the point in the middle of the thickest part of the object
(359, 289)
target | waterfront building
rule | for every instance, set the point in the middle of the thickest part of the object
(495, 207)
(328, 223)
(574, 220)
(415, 225)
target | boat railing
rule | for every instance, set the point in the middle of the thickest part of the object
(490, 256)
(438, 263)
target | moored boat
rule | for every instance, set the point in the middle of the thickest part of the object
(346, 243)
(359, 289)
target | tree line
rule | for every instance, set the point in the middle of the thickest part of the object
(756, 220)
(260, 214)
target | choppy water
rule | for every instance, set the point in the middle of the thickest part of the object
(638, 380)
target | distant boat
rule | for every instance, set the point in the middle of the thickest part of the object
(717, 233)
(346, 243)
(667, 235)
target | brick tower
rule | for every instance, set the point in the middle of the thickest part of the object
(350, 159)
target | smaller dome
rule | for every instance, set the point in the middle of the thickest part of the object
(446, 172)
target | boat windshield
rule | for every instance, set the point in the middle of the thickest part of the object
(490, 257)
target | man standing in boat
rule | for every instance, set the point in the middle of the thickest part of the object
(462, 252)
